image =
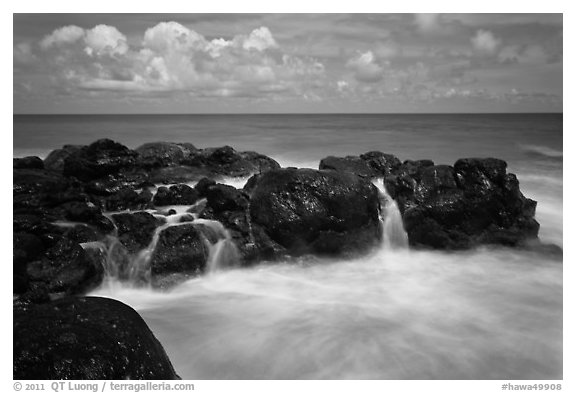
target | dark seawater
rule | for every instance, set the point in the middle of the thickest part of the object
(394, 314)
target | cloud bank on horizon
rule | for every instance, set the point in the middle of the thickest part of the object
(287, 63)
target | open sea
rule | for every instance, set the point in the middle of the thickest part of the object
(487, 313)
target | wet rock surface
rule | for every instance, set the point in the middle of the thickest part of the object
(310, 211)
(473, 202)
(85, 338)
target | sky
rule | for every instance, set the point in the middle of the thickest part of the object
(287, 63)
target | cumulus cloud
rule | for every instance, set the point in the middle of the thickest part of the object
(366, 68)
(174, 58)
(259, 39)
(485, 43)
(62, 36)
(105, 39)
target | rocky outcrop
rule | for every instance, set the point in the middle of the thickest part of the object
(450, 207)
(66, 268)
(30, 162)
(180, 249)
(319, 212)
(163, 154)
(135, 230)
(179, 194)
(101, 158)
(85, 338)
(230, 207)
(373, 164)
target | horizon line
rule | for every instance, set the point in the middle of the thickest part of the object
(287, 113)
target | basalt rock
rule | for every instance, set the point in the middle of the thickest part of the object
(34, 188)
(225, 161)
(85, 338)
(55, 160)
(135, 230)
(66, 268)
(163, 154)
(475, 202)
(179, 194)
(370, 165)
(30, 162)
(99, 159)
(319, 212)
(180, 249)
(127, 199)
(230, 206)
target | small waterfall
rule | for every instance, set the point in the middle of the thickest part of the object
(135, 269)
(224, 252)
(393, 234)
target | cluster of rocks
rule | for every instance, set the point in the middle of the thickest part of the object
(473, 202)
(84, 205)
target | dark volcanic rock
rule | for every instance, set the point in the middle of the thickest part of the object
(349, 164)
(180, 174)
(135, 230)
(55, 160)
(26, 247)
(162, 154)
(475, 202)
(99, 159)
(325, 212)
(180, 249)
(86, 338)
(31, 162)
(202, 186)
(373, 164)
(230, 207)
(179, 194)
(67, 268)
(127, 199)
(85, 212)
(34, 188)
(222, 198)
(384, 164)
(225, 161)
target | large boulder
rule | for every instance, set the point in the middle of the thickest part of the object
(99, 159)
(66, 268)
(135, 230)
(312, 211)
(85, 338)
(230, 207)
(179, 194)
(180, 249)
(34, 188)
(371, 165)
(31, 162)
(226, 161)
(348, 164)
(56, 158)
(474, 202)
(162, 154)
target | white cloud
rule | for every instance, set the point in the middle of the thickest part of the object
(174, 58)
(103, 39)
(485, 43)
(167, 37)
(260, 39)
(366, 69)
(62, 36)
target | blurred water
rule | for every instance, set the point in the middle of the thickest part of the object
(399, 314)
(392, 315)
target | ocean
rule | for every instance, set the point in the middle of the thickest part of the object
(488, 313)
